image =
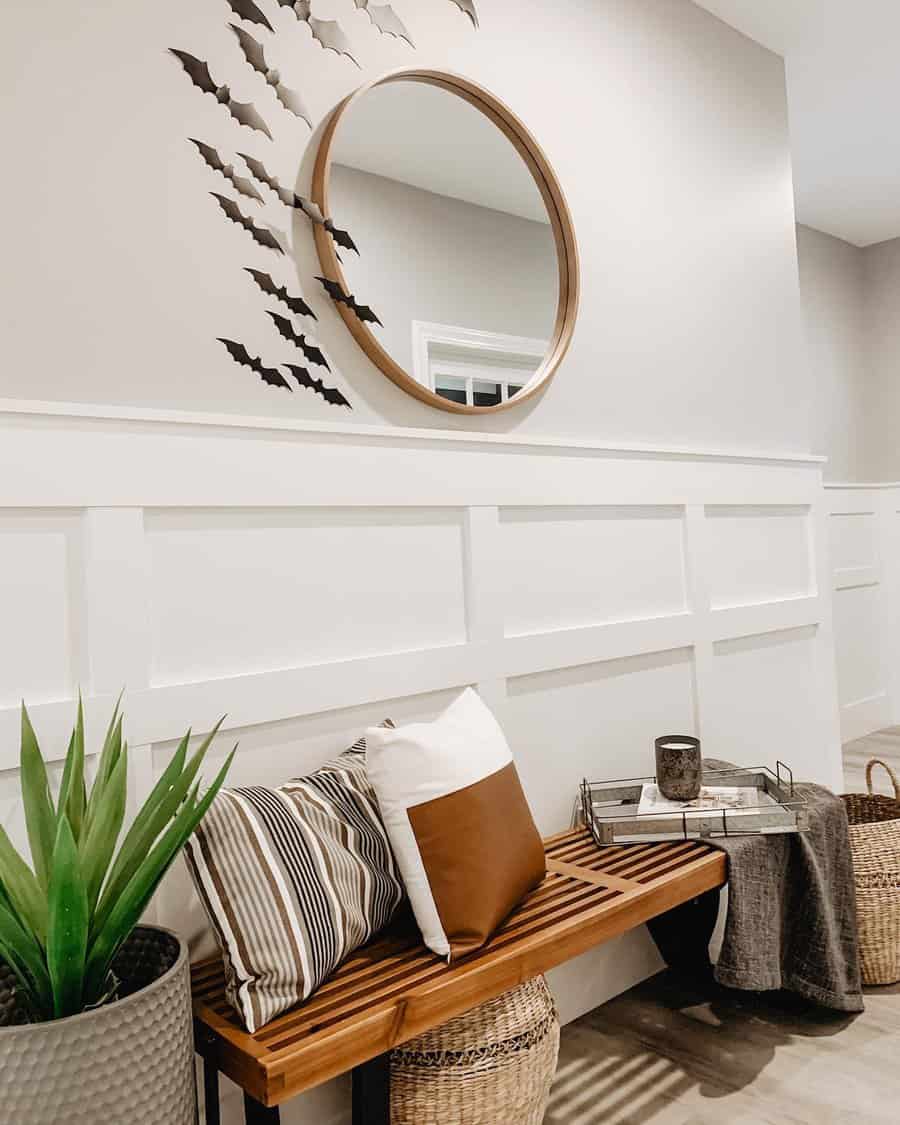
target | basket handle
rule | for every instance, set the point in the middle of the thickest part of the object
(894, 779)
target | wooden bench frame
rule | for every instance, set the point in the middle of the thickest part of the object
(394, 989)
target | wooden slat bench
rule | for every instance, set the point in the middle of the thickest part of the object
(394, 989)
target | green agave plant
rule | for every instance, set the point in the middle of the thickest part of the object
(64, 919)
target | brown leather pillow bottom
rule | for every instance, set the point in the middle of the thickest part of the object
(482, 853)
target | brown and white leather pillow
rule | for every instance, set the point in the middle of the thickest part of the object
(458, 822)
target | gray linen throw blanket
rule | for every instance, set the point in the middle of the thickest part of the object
(791, 920)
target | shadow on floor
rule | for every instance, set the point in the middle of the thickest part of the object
(654, 1053)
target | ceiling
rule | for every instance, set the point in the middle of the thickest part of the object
(432, 139)
(843, 78)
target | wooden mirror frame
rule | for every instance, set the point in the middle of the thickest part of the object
(557, 209)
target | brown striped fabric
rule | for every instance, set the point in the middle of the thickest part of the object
(293, 880)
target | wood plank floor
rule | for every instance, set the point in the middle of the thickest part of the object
(666, 1053)
(884, 744)
(671, 1053)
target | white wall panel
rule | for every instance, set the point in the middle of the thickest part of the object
(758, 713)
(864, 540)
(571, 567)
(757, 554)
(597, 721)
(310, 581)
(852, 540)
(39, 603)
(858, 625)
(257, 591)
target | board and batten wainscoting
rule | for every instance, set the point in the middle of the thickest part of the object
(864, 535)
(312, 579)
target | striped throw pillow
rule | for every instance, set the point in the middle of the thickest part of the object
(293, 880)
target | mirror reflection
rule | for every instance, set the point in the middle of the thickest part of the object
(456, 251)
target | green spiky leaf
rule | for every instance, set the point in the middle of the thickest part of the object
(22, 889)
(98, 844)
(131, 904)
(67, 925)
(72, 790)
(158, 810)
(25, 957)
(109, 755)
(40, 817)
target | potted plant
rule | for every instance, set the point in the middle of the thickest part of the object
(95, 1014)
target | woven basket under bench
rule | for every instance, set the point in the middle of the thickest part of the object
(491, 1066)
(875, 842)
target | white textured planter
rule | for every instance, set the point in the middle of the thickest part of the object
(127, 1063)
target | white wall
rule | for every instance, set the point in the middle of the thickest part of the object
(309, 583)
(864, 535)
(882, 279)
(834, 308)
(852, 305)
(851, 302)
(422, 243)
(668, 131)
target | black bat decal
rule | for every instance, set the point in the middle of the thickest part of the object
(326, 32)
(198, 72)
(336, 293)
(310, 351)
(295, 304)
(256, 57)
(260, 235)
(341, 237)
(239, 354)
(258, 170)
(248, 11)
(385, 19)
(331, 394)
(212, 158)
(292, 199)
(467, 6)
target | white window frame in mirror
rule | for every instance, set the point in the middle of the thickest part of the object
(472, 355)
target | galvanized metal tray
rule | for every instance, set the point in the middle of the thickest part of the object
(610, 809)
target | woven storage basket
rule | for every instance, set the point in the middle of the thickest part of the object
(875, 842)
(491, 1066)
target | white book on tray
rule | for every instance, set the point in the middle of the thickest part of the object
(733, 799)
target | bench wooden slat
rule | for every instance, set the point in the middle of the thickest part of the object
(395, 989)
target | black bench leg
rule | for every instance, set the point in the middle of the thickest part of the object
(683, 936)
(372, 1092)
(211, 1092)
(255, 1113)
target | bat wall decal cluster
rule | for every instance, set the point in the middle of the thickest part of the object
(211, 156)
(385, 19)
(331, 394)
(248, 11)
(260, 235)
(329, 35)
(467, 6)
(310, 351)
(239, 354)
(336, 293)
(255, 55)
(296, 304)
(198, 72)
(292, 199)
(273, 377)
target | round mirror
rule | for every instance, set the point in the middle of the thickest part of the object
(463, 285)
